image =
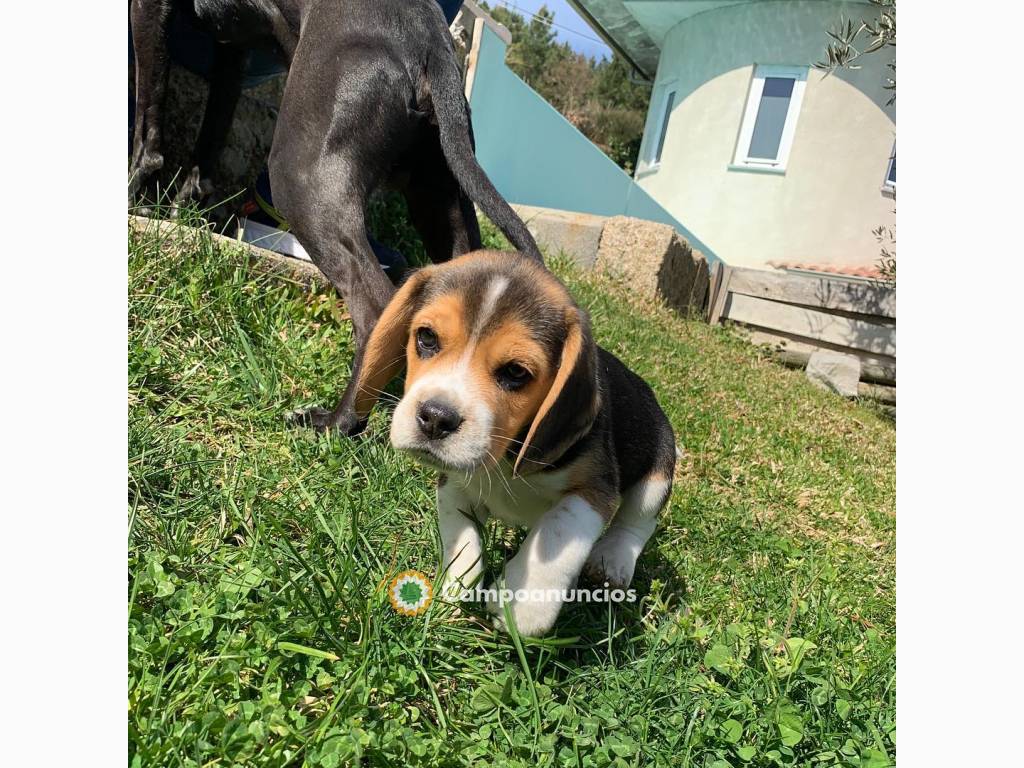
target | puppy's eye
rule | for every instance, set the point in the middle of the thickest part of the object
(513, 376)
(427, 344)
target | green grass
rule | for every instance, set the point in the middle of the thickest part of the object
(259, 633)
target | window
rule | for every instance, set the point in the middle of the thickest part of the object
(769, 121)
(659, 140)
(890, 175)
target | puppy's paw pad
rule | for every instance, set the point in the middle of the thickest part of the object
(533, 618)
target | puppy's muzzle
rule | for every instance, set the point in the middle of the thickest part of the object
(437, 419)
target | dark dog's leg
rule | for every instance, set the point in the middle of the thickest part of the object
(337, 244)
(149, 20)
(225, 88)
(366, 296)
(442, 214)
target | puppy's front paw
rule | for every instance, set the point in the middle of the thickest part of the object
(531, 610)
(612, 560)
(456, 588)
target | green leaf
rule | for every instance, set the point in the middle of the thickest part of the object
(789, 736)
(790, 724)
(819, 695)
(843, 708)
(487, 697)
(621, 744)
(241, 583)
(719, 658)
(307, 651)
(797, 648)
(872, 758)
(746, 754)
(732, 730)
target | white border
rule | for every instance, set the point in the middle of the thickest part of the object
(762, 71)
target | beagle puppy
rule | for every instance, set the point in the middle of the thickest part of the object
(528, 420)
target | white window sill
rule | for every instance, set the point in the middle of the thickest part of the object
(751, 168)
(647, 170)
(889, 191)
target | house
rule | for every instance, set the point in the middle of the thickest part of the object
(769, 161)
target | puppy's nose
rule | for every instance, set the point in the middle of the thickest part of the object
(437, 419)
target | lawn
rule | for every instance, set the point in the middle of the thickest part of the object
(259, 632)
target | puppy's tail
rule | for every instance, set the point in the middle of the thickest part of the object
(452, 113)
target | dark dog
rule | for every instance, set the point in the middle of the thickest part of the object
(373, 96)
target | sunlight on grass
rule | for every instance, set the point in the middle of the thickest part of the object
(259, 631)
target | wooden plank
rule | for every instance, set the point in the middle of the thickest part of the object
(810, 323)
(826, 292)
(723, 293)
(794, 351)
(877, 392)
(473, 56)
(295, 270)
(714, 282)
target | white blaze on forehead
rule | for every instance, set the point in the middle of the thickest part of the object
(453, 381)
(493, 292)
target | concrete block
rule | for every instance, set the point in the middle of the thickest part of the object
(656, 261)
(834, 371)
(578, 234)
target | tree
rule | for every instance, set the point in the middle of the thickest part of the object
(599, 98)
(533, 45)
(878, 33)
(615, 88)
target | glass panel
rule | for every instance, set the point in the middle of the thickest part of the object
(664, 125)
(891, 178)
(771, 118)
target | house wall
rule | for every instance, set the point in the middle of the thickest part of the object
(534, 156)
(825, 206)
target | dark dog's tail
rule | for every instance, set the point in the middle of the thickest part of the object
(457, 144)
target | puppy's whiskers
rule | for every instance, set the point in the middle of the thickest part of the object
(513, 441)
(382, 395)
(501, 476)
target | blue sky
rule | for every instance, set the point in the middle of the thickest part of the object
(571, 28)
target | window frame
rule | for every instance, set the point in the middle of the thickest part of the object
(886, 183)
(660, 133)
(741, 158)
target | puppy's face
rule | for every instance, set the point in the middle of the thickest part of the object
(490, 342)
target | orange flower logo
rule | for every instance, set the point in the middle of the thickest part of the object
(410, 593)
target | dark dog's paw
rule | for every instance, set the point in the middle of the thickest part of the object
(310, 418)
(194, 189)
(323, 420)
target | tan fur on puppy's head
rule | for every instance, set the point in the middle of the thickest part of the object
(499, 362)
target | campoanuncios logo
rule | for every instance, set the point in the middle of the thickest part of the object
(410, 593)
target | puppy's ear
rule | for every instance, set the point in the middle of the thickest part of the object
(571, 405)
(384, 355)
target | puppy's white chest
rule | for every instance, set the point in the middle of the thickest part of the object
(517, 500)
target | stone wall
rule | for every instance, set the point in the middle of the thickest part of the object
(657, 262)
(248, 144)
